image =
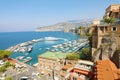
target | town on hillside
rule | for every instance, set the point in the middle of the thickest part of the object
(99, 61)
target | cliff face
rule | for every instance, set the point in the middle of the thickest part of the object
(82, 31)
(106, 50)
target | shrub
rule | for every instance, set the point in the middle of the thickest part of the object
(8, 78)
(2, 69)
(73, 56)
(4, 54)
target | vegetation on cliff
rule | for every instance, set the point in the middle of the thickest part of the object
(82, 31)
(5, 66)
(4, 54)
(109, 20)
(85, 54)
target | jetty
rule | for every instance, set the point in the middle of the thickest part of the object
(27, 59)
(69, 46)
(24, 47)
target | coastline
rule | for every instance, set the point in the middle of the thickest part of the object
(39, 47)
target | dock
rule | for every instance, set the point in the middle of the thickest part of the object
(27, 59)
(70, 46)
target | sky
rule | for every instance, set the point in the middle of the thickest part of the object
(27, 15)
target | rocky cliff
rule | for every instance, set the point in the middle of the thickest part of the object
(106, 50)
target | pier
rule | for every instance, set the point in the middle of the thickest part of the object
(27, 59)
(69, 46)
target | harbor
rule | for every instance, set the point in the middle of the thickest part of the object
(24, 47)
(69, 46)
(47, 40)
(27, 46)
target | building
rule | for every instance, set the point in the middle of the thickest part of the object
(65, 72)
(50, 63)
(103, 34)
(113, 11)
(83, 70)
(106, 70)
(107, 35)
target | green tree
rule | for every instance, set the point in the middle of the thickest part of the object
(90, 40)
(73, 56)
(8, 78)
(85, 53)
(90, 45)
(2, 69)
(4, 54)
(7, 64)
(109, 20)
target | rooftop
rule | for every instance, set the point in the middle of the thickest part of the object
(112, 5)
(106, 70)
(115, 5)
(86, 62)
(53, 55)
(85, 65)
(13, 61)
(67, 66)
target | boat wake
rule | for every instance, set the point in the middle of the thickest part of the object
(54, 39)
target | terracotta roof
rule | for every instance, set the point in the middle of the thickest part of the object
(67, 66)
(13, 61)
(106, 70)
(81, 71)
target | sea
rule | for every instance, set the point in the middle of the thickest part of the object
(8, 39)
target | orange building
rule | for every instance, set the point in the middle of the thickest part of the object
(106, 70)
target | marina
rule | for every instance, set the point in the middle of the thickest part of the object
(27, 46)
(69, 46)
(66, 47)
(24, 47)
(14, 40)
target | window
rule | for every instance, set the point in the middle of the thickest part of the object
(114, 29)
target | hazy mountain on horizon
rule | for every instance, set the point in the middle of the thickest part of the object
(66, 25)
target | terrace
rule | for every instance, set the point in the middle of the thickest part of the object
(85, 65)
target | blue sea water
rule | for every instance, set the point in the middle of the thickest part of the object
(13, 38)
